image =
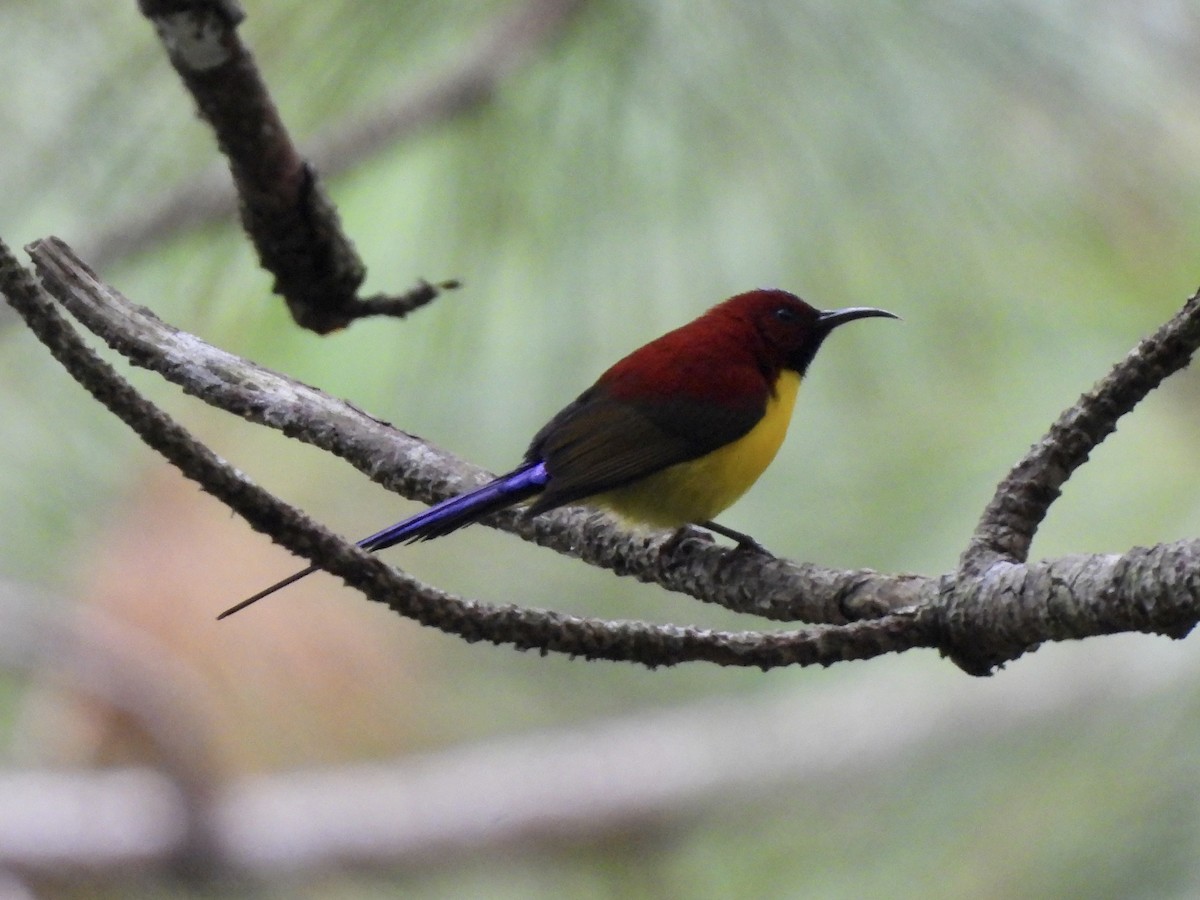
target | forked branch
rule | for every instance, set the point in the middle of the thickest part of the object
(981, 617)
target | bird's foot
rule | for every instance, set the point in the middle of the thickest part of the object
(745, 543)
(750, 545)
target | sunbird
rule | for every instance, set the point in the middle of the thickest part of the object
(671, 435)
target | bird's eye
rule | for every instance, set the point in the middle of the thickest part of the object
(787, 314)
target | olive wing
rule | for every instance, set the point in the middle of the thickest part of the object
(599, 443)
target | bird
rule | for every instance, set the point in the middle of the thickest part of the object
(670, 435)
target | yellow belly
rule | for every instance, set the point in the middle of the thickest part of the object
(702, 488)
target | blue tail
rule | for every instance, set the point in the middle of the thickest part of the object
(451, 515)
(440, 519)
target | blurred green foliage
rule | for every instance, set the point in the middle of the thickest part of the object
(1016, 179)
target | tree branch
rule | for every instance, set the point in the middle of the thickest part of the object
(290, 222)
(285, 211)
(650, 645)
(744, 582)
(1004, 612)
(980, 620)
(567, 783)
(1001, 609)
(1023, 498)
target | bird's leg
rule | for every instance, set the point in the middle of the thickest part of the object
(744, 541)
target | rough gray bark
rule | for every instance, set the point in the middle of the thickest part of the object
(994, 609)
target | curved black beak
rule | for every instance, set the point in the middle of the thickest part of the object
(832, 318)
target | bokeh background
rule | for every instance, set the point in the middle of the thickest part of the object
(1017, 179)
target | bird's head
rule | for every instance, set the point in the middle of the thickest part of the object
(790, 331)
